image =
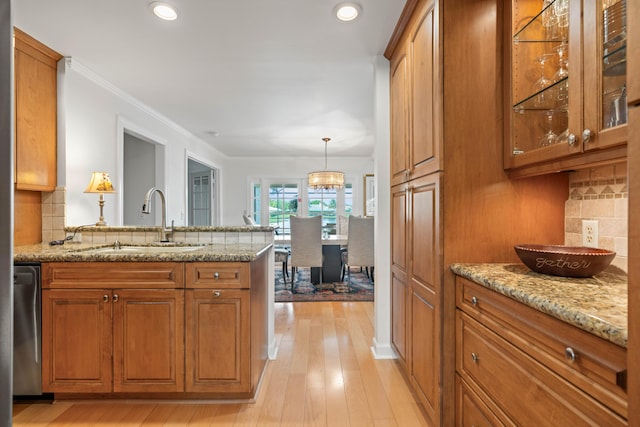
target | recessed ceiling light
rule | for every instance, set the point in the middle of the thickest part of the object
(164, 10)
(347, 12)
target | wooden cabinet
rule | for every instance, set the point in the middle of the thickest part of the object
(77, 337)
(416, 285)
(226, 344)
(508, 351)
(217, 341)
(468, 210)
(399, 265)
(113, 327)
(35, 114)
(415, 129)
(567, 91)
(131, 327)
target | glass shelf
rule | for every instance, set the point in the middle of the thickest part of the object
(545, 99)
(615, 62)
(533, 30)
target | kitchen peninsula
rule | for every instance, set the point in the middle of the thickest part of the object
(178, 320)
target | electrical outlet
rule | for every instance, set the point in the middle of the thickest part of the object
(590, 233)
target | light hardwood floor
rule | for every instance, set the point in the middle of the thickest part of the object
(324, 375)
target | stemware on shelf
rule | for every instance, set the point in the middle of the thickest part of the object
(550, 136)
(543, 81)
(562, 72)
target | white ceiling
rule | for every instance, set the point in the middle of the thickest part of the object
(270, 77)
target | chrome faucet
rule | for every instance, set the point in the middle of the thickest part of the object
(146, 209)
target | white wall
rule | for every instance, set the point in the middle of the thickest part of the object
(382, 337)
(239, 171)
(92, 116)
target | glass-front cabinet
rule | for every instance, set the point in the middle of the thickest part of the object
(567, 96)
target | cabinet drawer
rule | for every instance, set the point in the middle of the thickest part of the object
(598, 366)
(525, 390)
(472, 410)
(218, 275)
(113, 275)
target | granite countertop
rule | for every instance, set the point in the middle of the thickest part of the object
(80, 252)
(177, 228)
(596, 304)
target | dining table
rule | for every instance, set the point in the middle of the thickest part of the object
(331, 256)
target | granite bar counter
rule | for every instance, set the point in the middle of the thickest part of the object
(85, 252)
(597, 304)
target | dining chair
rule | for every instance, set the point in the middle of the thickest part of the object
(306, 243)
(343, 225)
(281, 254)
(360, 247)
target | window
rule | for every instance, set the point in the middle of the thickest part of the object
(330, 204)
(273, 202)
(255, 203)
(283, 202)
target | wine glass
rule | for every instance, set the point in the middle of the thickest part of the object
(562, 73)
(549, 137)
(563, 62)
(543, 81)
(549, 19)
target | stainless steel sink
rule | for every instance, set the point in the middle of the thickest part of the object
(124, 250)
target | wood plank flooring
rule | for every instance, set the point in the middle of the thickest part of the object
(324, 375)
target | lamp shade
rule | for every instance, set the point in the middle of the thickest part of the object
(100, 183)
(325, 179)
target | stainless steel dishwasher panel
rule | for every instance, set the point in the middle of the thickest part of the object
(27, 357)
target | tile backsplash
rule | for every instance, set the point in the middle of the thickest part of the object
(53, 214)
(599, 194)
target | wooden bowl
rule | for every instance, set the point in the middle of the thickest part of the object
(565, 261)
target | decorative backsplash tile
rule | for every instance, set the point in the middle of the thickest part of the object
(53, 214)
(599, 194)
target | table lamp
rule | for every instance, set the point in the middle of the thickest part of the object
(100, 183)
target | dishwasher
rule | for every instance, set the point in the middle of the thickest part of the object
(27, 355)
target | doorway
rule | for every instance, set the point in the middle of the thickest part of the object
(201, 194)
(143, 166)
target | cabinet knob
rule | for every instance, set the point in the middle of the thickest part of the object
(115, 297)
(216, 275)
(474, 301)
(571, 139)
(217, 293)
(474, 357)
(570, 354)
(586, 135)
(105, 298)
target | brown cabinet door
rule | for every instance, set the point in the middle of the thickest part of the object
(76, 341)
(424, 232)
(425, 348)
(148, 340)
(399, 118)
(217, 340)
(399, 291)
(425, 287)
(425, 149)
(36, 114)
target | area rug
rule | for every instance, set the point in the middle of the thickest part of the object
(360, 289)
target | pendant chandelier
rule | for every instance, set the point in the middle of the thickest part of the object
(325, 179)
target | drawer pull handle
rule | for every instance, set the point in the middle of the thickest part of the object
(115, 297)
(216, 293)
(570, 354)
(474, 357)
(105, 298)
(474, 301)
(216, 275)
